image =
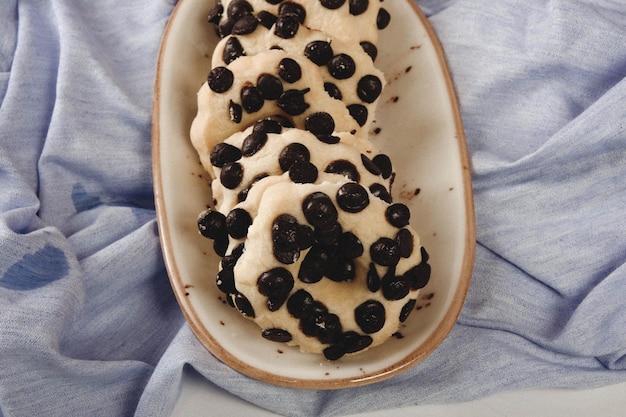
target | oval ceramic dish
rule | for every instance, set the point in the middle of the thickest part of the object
(417, 124)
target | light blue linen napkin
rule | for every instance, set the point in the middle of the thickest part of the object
(88, 322)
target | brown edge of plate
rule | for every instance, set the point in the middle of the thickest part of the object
(412, 359)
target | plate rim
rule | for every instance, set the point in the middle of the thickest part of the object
(192, 318)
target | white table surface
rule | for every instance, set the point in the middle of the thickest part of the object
(200, 398)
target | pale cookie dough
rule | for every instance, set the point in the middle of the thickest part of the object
(267, 149)
(296, 250)
(348, 71)
(344, 19)
(252, 88)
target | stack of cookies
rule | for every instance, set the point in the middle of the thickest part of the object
(313, 248)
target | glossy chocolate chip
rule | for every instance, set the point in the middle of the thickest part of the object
(273, 1)
(383, 162)
(380, 191)
(225, 27)
(319, 52)
(231, 175)
(405, 242)
(245, 25)
(238, 221)
(352, 197)
(234, 112)
(332, 4)
(212, 224)
(418, 276)
(398, 215)
(300, 303)
(309, 322)
(334, 352)
(425, 255)
(292, 153)
(232, 50)
(333, 91)
(350, 245)
(385, 252)
(285, 239)
(329, 236)
(340, 269)
(220, 79)
(372, 278)
(345, 168)
(395, 287)
(305, 237)
(225, 281)
(224, 153)
(286, 26)
(406, 310)
(341, 66)
(215, 14)
(289, 8)
(329, 139)
(229, 261)
(328, 328)
(277, 335)
(243, 305)
(319, 210)
(251, 99)
(353, 342)
(270, 87)
(358, 112)
(220, 245)
(369, 88)
(267, 125)
(370, 165)
(289, 70)
(292, 102)
(253, 143)
(266, 19)
(383, 18)
(370, 316)
(303, 173)
(320, 124)
(238, 9)
(313, 265)
(370, 49)
(358, 7)
(275, 284)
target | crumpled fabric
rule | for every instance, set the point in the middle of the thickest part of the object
(88, 321)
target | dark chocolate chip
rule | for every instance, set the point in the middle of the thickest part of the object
(281, 120)
(275, 284)
(292, 102)
(270, 87)
(225, 27)
(370, 165)
(405, 242)
(215, 14)
(305, 237)
(398, 215)
(350, 245)
(253, 143)
(340, 269)
(225, 281)
(370, 316)
(231, 175)
(229, 261)
(358, 112)
(273, 1)
(212, 224)
(266, 19)
(309, 323)
(289, 8)
(220, 245)
(383, 162)
(379, 190)
(372, 278)
(243, 305)
(352, 197)
(285, 239)
(333, 91)
(328, 328)
(385, 252)
(313, 265)
(358, 7)
(345, 168)
(232, 50)
(319, 210)
(406, 310)
(319, 52)
(300, 303)
(425, 256)
(370, 49)
(320, 124)
(247, 24)
(267, 125)
(251, 99)
(329, 236)
(277, 335)
(286, 26)
(332, 4)
(418, 276)
(334, 352)
(234, 112)
(303, 173)
(238, 9)
(369, 88)
(383, 18)
(353, 342)
(238, 221)
(341, 66)
(395, 287)
(220, 79)
(224, 153)
(292, 153)
(243, 194)
(289, 70)
(329, 139)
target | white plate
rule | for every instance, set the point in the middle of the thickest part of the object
(420, 128)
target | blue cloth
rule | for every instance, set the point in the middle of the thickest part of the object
(88, 322)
